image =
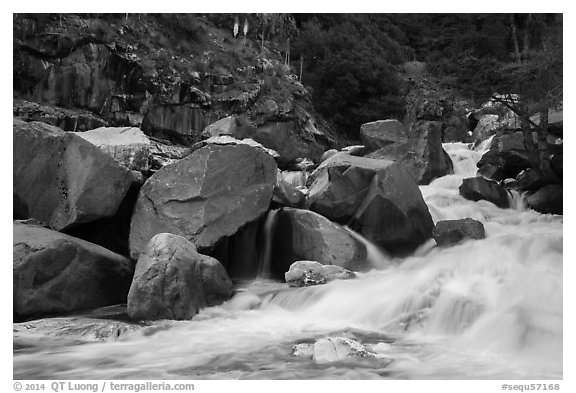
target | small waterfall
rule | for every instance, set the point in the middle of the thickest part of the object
(264, 269)
(374, 255)
(483, 309)
(517, 200)
(296, 178)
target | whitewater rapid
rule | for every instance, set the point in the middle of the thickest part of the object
(488, 308)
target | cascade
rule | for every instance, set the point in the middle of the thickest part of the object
(483, 309)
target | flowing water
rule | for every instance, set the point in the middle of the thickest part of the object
(488, 308)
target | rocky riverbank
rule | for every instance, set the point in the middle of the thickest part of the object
(159, 187)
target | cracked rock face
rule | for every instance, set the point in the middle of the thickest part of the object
(204, 197)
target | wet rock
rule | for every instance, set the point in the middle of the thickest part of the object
(394, 215)
(332, 349)
(306, 273)
(547, 200)
(451, 232)
(76, 328)
(63, 180)
(204, 197)
(127, 145)
(422, 155)
(377, 134)
(303, 350)
(54, 272)
(506, 158)
(477, 188)
(530, 180)
(305, 235)
(173, 281)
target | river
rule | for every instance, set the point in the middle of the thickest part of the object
(484, 309)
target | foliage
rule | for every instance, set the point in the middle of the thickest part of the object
(351, 67)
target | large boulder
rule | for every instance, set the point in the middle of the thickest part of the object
(477, 188)
(127, 145)
(506, 158)
(547, 200)
(306, 273)
(422, 155)
(63, 180)
(531, 180)
(305, 235)
(451, 232)
(377, 134)
(394, 215)
(173, 281)
(340, 189)
(54, 272)
(204, 197)
(287, 138)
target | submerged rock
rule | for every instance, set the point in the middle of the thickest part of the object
(204, 197)
(305, 235)
(377, 134)
(477, 188)
(303, 350)
(173, 281)
(450, 232)
(54, 272)
(77, 328)
(306, 273)
(63, 180)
